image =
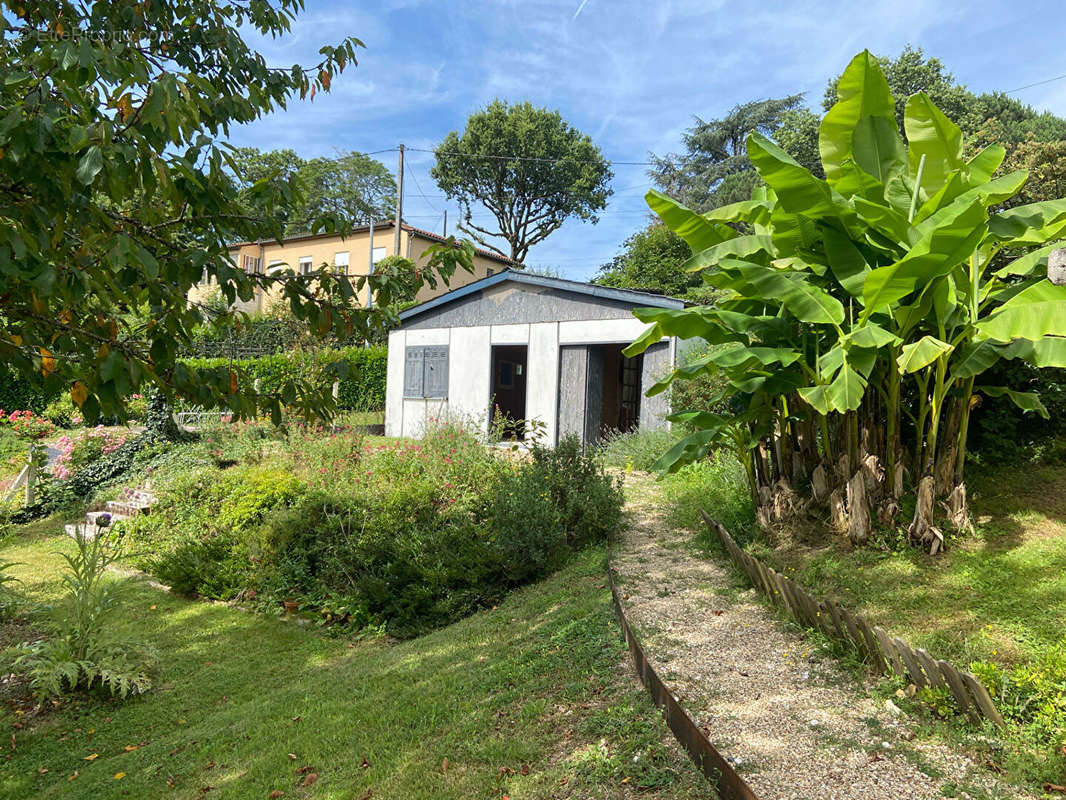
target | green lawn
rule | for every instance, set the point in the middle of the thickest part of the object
(247, 705)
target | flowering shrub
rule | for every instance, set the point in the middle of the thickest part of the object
(84, 448)
(26, 424)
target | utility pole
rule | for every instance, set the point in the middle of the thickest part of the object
(399, 202)
(445, 223)
(370, 267)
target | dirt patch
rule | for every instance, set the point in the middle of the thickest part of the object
(795, 724)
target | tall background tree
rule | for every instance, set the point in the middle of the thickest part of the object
(351, 187)
(116, 197)
(528, 167)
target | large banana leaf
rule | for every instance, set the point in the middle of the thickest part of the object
(1031, 261)
(878, 148)
(933, 135)
(693, 447)
(863, 92)
(797, 189)
(1026, 401)
(949, 237)
(846, 390)
(739, 247)
(973, 358)
(1037, 312)
(734, 357)
(805, 301)
(886, 220)
(919, 355)
(983, 166)
(846, 261)
(1036, 223)
(1047, 352)
(698, 233)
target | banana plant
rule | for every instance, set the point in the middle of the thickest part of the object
(839, 297)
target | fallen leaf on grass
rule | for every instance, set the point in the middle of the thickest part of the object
(504, 771)
(296, 718)
(1054, 787)
(309, 779)
(274, 795)
(72, 777)
(42, 770)
(365, 764)
(525, 769)
(305, 769)
(177, 750)
(130, 748)
(369, 793)
(91, 757)
(444, 765)
(292, 756)
(119, 776)
(171, 783)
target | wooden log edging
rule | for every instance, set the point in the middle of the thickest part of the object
(711, 763)
(884, 654)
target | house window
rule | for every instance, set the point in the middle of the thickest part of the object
(340, 262)
(426, 372)
(305, 265)
(251, 265)
(377, 254)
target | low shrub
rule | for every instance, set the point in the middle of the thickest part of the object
(406, 536)
(85, 447)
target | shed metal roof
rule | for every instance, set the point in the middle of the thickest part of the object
(637, 299)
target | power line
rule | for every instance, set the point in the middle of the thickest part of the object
(1038, 83)
(516, 157)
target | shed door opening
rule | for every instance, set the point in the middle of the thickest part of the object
(620, 398)
(509, 389)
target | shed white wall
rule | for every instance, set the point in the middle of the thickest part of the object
(470, 362)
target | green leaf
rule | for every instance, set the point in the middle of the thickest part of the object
(983, 166)
(805, 301)
(817, 397)
(847, 389)
(871, 335)
(1037, 312)
(1047, 352)
(1026, 401)
(877, 147)
(949, 237)
(692, 448)
(1030, 261)
(739, 247)
(90, 165)
(933, 135)
(798, 191)
(845, 260)
(863, 92)
(973, 358)
(919, 355)
(697, 232)
(1035, 223)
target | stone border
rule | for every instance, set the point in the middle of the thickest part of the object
(712, 764)
(885, 654)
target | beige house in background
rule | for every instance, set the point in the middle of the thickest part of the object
(353, 253)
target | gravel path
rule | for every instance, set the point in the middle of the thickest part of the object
(796, 725)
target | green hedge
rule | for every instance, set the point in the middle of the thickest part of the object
(363, 390)
(17, 393)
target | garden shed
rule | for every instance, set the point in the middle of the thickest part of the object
(527, 347)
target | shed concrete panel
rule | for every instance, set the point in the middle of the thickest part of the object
(611, 331)
(510, 303)
(573, 369)
(654, 410)
(469, 364)
(510, 334)
(542, 386)
(394, 384)
(418, 415)
(422, 337)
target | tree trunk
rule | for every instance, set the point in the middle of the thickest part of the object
(838, 517)
(959, 510)
(859, 526)
(922, 530)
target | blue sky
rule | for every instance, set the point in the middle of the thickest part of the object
(630, 74)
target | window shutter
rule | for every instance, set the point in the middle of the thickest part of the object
(437, 371)
(413, 372)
